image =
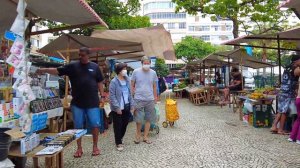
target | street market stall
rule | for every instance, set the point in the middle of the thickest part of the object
(237, 57)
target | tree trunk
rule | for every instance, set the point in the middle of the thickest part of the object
(235, 30)
(264, 58)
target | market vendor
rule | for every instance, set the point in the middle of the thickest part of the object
(287, 95)
(235, 85)
(86, 79)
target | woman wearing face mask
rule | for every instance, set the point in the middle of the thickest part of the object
(121, 103)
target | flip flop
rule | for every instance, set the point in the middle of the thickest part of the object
(147, 141)
(283, 133)
(78, 154)
(96, 152)
(137, 140)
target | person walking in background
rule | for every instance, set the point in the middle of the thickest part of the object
(121, 103)
(162, 86)
(143, 83)
(86, 79)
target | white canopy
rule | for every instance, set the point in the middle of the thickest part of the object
(156, 40)
(72, 12)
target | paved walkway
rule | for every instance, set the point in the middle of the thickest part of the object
(205, 136)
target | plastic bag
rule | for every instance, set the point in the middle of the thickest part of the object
(248, 106)
(19, 26)
(157, 112)
(292, 108)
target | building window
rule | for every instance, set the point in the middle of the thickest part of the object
(167, 15)
(215, 38)
(223, 37)
(196, 18)
(171, 25)
(205, 38)
(191, 28)
(204, 28)
(216, 28)
(182, 25)
(159, 5)
(228, 27)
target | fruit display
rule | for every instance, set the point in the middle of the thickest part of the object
(267, 91)
(256, 95)
(270, 91)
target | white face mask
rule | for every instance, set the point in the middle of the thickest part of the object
(146, 67)
(124, 72)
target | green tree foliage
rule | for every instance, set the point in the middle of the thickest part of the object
(161, 67)
(191, 49)
(114, 13)
(241, 12)
(129, 22)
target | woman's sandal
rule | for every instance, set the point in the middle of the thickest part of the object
(283, 133)
(96, 152)
(137, 140)
(147, 141)
(78, 154)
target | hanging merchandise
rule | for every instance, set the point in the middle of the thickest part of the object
(21, 8)
(25, 123)
(19, 26)
(22, 72)
(21, 81)
(17, 56)
(27, 93)
(18, 48)
(10, 36)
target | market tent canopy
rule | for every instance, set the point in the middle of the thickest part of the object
(71, 12)
(291, 35)
(292, 4)
(106, 47)
(234, 57)
(241, 57)
(156, 40)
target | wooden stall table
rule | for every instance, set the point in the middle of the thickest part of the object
(235, 101)
(55, 160)
(178, 93)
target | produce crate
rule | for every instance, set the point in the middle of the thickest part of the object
(262, 115)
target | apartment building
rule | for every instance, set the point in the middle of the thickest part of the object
(182, 24)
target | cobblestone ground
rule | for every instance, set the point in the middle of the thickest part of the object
(205, 136)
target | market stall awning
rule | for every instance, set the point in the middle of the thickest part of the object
(156, 40)
(292, 4)
(291, 35)
(234, 57)
(241, 57)
(71, 12)
(104, 47)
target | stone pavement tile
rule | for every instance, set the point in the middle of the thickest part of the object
(204, 136)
